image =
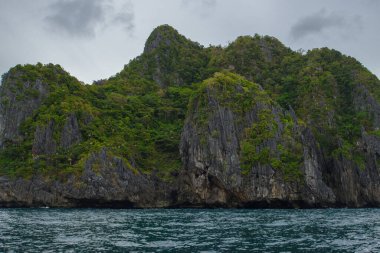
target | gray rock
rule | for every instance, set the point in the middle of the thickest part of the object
(15, 107)
(71, 133)
(106, 181)
(212, 173)
(364, 101)
(44, 143)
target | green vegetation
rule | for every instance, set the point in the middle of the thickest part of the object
(169, 59)
(228, 90)
(254, 147)
(231, 91)
(322, 86)
(140, 123)
(139, 113)
(257, 145)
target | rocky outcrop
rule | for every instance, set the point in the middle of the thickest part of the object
(167, 58)
(18, 100)
(71, 133)
(44, 143)
(313, 167)
(162, 36)
(227, 118)
(114, 144)
(106, 181)
(356, 184)
(212, 157)
(365, 102)
(356, 180)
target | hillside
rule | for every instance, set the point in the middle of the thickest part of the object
(252, 124)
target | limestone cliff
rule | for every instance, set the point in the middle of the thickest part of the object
(252, 124)
(106, 181)
(241, 149)
(19, 98)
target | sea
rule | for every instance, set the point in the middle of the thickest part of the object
(189, 230)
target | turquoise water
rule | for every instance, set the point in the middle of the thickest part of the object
(189, 230)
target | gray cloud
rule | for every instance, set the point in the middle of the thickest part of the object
(82, 18)
(93, 39)
(321, 21)
(125, 18)
(76, 17)
(204, 3)
(202, 7)
(373, 2)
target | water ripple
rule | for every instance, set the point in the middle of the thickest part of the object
(189, 230)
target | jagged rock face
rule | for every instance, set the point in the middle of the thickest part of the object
(212, 164)
(313, 167)
(18, 100)
(354, 187)
(211, 149)
(108, 178)
(106, 181)
(44, 143)
(114, 144)
(168, 58)
(253, 57)
(162, 36)
(358, 184)
(364, 101)
(71, 133)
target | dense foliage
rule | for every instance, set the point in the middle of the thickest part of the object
(138, 114)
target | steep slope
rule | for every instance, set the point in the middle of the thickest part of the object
(351, 116)
(240, 148)
(333, 94)
(249, 125)
(75, 145)
(169, 59)
(24, 91)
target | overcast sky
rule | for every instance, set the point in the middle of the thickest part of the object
(93, 39)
